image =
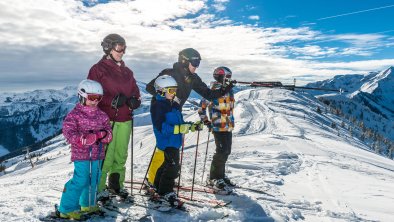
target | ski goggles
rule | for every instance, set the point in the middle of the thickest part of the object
(120, 48)
(195, 62)
(94, 97)
(171, 91)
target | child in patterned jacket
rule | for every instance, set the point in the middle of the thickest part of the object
(86, 128)
(221, 124)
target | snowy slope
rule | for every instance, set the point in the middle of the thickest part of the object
(280, 145)
(369, 99)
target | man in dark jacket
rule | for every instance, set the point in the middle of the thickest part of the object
(184, 73)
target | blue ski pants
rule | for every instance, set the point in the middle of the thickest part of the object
(76, 190)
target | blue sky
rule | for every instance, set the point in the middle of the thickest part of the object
(259, 40)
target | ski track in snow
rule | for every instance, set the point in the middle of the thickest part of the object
(279, 146)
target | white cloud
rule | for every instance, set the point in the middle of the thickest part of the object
(220, 5)
(254, 17)
(51, 40)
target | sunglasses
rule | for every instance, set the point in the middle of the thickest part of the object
(171, 91)
(120, 48)
(94, 97)
(195, 62)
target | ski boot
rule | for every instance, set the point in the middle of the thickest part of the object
(220, 186)
(172, 199)
(229, 182)
(149, 188)
(103, 196)
(91, 210)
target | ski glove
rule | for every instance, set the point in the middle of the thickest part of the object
(133, 102)
(197, 126)
(88, 139)
(177, 100)
(118, 101)
(182, 128)
(208, 124)
(104, 136)
(227, 89)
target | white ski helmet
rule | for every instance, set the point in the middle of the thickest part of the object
(164, 81)
(86, 87)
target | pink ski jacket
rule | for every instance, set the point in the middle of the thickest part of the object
(81, 121)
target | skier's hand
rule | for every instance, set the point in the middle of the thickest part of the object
(197, 126)
(182, 128)
(104, 136)
(226, 89)
(177, 100)
(101, 134)
(88, 139)
(133, 102)
(207, 122)
(118, 101)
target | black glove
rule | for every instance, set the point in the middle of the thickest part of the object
(227, 89)
(118, 101)
(207, 122)
(133, 102)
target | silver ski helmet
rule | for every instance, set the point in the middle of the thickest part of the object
(222, 73)
(110, 41)
(87, 87)
(163, 82)
(189, 55)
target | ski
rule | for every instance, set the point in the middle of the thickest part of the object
(197, 189)
(211, 202)
(253, 190)
(199, 202)
(54, 216)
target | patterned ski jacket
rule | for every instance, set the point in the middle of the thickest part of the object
(81, 121)
(220, 110)
(114, 79)
(165, 115)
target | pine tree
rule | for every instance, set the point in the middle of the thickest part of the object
(318, 110)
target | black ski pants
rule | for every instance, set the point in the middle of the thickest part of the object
(223, 141)
(168, 171)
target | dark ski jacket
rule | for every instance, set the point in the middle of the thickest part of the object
(114, 79)
(186, 83)
(165, 115)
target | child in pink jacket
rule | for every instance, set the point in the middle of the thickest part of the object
(86, 128)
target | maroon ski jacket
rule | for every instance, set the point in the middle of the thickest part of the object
(114, 80)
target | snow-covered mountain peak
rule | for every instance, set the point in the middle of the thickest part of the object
(383, 81)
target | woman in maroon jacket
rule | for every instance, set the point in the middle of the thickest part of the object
(121, 97)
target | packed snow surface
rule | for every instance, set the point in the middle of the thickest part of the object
(281, 145)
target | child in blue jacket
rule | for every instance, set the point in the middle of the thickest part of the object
(168, 127)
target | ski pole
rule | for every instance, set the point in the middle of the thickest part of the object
(195, 163)
(132, 156)
(146, 173)
(205, 159)
(180, 166)
(90, 175)
(98, 171)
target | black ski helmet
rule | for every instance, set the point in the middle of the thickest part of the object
(221, 73)
(189, 55)
(110, 41)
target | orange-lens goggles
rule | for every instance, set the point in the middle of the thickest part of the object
(120, 48)
(171, 91)
(94, 97)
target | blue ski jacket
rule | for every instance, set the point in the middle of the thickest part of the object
(165, 115)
